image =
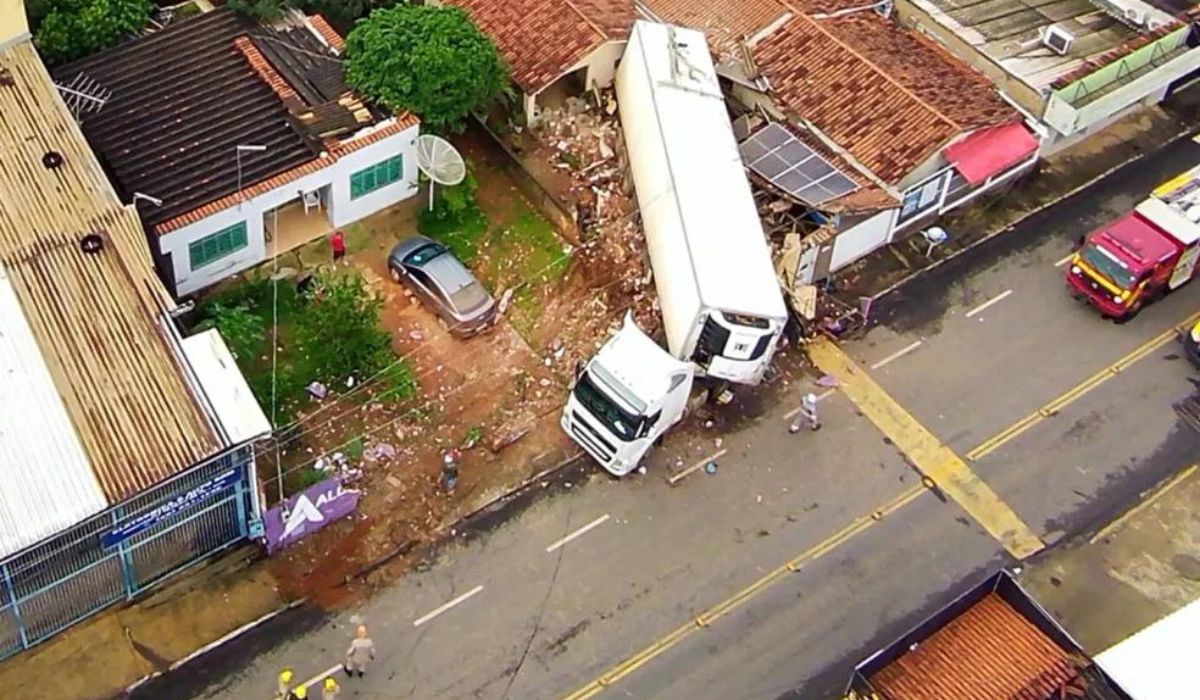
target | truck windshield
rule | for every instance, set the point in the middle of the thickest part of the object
(622, 423)
(1106, 264)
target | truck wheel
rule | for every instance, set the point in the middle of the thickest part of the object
(1133, 312)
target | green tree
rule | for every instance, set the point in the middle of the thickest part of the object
(432, 61)
(65, 30)
(242, 329)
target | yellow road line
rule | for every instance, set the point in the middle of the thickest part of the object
(933, 459)
(1049, 410)
(1159, 493)
(708, 617)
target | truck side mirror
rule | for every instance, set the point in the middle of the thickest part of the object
(1079, 243)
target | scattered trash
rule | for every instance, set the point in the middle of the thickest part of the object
(717, 443)
(711, 468)
(350, 382)
(708, 424)
(828, 381)
(758, 498)
(641, 470)
(725, 397)
(318, 390)
(416, 335)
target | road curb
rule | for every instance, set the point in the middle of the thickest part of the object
(1032, 212)
(228, 637)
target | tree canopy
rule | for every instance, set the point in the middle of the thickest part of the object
(432, 61)
(66, 30)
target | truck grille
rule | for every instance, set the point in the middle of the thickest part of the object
(590, 438)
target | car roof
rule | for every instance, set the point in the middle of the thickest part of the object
(410, 244)
(451, 274)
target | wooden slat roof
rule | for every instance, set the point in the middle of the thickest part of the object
(95, 316)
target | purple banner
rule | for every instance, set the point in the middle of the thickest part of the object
(308, 511)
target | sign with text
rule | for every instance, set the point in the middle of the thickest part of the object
(197, 494)
(308, 511)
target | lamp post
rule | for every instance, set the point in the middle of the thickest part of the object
(246, 148)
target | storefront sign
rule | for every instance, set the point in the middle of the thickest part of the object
(309, 511)
(177, 504)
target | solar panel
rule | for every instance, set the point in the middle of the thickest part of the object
(788, 163)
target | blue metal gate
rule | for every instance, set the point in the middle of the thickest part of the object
(119, 553)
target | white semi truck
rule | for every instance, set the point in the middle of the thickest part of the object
(722, 309)
(721, 304)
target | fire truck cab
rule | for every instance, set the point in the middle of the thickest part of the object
(1135, 260)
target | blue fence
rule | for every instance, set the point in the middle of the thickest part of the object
(119, 553)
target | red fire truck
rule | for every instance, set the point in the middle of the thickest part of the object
(1138, 258)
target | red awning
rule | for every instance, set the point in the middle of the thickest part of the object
(991, 151)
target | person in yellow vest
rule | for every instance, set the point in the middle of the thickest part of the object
(285, 684)
(300, 692)
(331, 690)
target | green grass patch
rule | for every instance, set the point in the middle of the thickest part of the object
(456, 220)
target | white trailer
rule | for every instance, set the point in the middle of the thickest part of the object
(721, 304)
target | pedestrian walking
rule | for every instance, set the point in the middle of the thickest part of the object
(450, 470)
(338, 242)
(808, 414)
(360, 653)
(331, 690)
(284, 689)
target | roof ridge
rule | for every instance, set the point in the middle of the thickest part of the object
(583, 15)
(938, 113)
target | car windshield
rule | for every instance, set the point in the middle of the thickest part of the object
(424, 254)
(623, 424)
(1103, 262)
(469, 297)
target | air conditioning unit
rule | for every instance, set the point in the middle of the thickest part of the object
(1058, 39)
(1154, 25)
(1136, 15)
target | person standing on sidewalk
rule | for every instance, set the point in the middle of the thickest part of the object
(360, 653)
(808, 414)
(331, 690)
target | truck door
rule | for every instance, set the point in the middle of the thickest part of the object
(1185, 267)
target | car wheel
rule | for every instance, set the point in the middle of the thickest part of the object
(395, 274)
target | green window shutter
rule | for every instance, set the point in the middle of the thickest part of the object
(211, 248)
(376, 176)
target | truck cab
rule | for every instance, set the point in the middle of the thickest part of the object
(625, 398)
(1138, 258)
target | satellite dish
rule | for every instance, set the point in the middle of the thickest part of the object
(440, 161)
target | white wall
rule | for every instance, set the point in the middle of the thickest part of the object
(602, 64)
(342, 211)
(855, 242)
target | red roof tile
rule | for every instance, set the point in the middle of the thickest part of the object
(725, 23)
(542, 39)
(890, 97)
(990, 652)
(264, 69)
(328, 33)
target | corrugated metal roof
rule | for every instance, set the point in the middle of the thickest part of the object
(989, 652)
(48, 481)
(96, 317)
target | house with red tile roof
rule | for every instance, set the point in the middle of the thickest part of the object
(993, 643)
(237, 141)
(570, 43)
(915, 129)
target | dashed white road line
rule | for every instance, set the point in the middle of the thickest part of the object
(714, 456)
(1064, 261)
(445, 606)
(820, 397)
(581, 531)
(898, 354)
(321, 676)
(999, 297)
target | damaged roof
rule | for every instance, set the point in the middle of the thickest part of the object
(725, 24)
(889, 97)
(543, 39)
(182, 100)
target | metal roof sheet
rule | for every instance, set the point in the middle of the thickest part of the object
(47, 481)
(97, 317)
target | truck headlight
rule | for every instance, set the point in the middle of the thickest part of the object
(1119, 298)
(1075, 270)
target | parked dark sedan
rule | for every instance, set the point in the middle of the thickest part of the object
(432, 272)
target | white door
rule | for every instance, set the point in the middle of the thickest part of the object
(1184, 268)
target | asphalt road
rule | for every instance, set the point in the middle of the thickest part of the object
(537, 617)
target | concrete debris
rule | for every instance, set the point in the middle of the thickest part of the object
(317, 390)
